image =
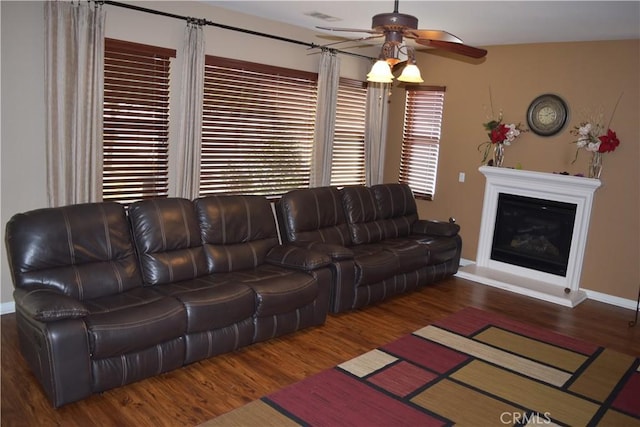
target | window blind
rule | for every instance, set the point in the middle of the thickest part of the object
(347, 167)
(258, 127)
(136, 121)
(421, 138)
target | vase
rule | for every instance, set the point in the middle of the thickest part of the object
(595, 165)
(498, 155)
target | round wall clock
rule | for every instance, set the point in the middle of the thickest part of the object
(547, 115)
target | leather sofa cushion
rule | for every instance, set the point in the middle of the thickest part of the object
(397, 227)
(394, 200)
(238, 231)
(284, 293)
(397, 207)
(167, 236)
(83, 251)
(361, 212)
(411, 254)
(313, 215)
(212, 302)
(374, 264)
(132, 321)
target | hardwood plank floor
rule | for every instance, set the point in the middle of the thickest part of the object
(196, 393)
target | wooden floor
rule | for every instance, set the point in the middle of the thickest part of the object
(196, 393)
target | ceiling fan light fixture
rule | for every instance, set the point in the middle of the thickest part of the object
(410, 74)
(380, 72)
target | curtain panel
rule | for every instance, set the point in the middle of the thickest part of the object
(375, 139)
(328, 81)
(74, 62)
(192, 92)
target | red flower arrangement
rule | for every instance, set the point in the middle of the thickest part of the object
(593, 138)
(608, 142)
(499, 133)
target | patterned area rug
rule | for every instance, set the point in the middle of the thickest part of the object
(472, 368)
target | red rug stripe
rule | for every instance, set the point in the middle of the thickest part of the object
(470, 320)
(628, 399)
(425, 353)
(335, 398)
(402, 378)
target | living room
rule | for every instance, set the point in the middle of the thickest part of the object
(587, 75)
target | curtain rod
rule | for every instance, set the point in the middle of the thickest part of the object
(228, 27)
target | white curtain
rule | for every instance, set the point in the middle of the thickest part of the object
(192, 90)
(74, 63)
(375, 138)
(328, 81)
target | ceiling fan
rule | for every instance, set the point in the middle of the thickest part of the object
(395, 27)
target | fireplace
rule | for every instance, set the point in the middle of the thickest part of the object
(533, 234)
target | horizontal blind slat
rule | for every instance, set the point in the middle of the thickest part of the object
(136, 121)
(257, 130)
(348, 161)
(421, 139)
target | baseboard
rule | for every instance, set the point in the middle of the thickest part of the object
(613, 300)
(594, 295)
(465, 262)
(7, 307)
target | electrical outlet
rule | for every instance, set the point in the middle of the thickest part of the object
(461, 177)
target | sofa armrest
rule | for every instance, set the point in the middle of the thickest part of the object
(435, 228)
(296, 257)
(334, 251)
(45, 305)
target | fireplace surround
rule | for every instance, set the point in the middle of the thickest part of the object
(555, 193)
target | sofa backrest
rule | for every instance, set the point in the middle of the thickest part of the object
(379, 212)
(237, 231)
(397, 208)
(83, 251)
(362, 214)
(313, 214)
(167, 236)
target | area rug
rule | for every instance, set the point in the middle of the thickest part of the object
(472, 368)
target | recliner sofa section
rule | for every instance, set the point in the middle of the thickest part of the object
(378, 245)
(106, 297)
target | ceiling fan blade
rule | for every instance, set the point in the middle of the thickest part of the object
(351, 30)
(431, 35)
(459, 48)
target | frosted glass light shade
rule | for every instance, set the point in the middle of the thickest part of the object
(380, 72)
(411, 74)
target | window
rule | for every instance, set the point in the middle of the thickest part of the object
(258, 128)
(136, 121)
(421, 138)
(347, 167)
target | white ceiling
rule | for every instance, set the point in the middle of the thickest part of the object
(477, 23)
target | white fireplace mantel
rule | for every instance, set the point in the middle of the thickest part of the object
(564, 290)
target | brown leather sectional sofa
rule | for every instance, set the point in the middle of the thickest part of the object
(377, 244)
(106, 296)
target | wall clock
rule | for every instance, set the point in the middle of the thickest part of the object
(547, 115)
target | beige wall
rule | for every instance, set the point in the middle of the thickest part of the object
(589, 76)
(584, 74)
